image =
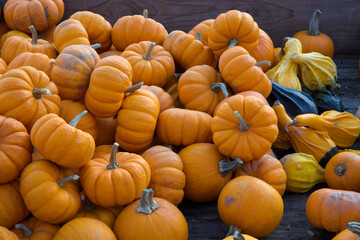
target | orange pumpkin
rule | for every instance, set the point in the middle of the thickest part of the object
(106, 183)
(162, 219)
(33, 228)
(167, 176)
(20, 14)
(97, 33)
(264, 50)
(39, 61)
(102, 150)
(106, 128)
(10, 34)
(170, 128)
(48, 35)
(351, 233)
(171, 88)
(3, 66)
(234, 28)
(32, 95)
(72, 71)
(110, 53)
(242, 73)
(189, 51)
(108, 82)
(6, 234)
(244, 126)
(203, 29)
(332, 209)
(267, 168)
(142, 29)
(234, 234)
(165, 99)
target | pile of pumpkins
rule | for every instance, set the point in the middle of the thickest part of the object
(104, 131)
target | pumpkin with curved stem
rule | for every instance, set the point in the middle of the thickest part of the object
(33, 228)
(151, 63)
(242, 73)
(201, 88)
(235, 234)
(170, 128)
(72, 71)
(264, 51)
(85, 229)
(110, 53)
(97, 33)
(106, 128)
(165, 99)
(62, 143)
(142, 28)
(105, 179)
(244, 126)
(151, 213)
(203, 29)
(233, 28)
(10, 34)
(21, 14)
(108, 82)
(332, 209)
(70, 32)
(32, 95)
(189, 51)
(15, 149)
(206, 171)
(259, 204)
(315, 41)
(39, 61)
(266, 168)
(351, 233)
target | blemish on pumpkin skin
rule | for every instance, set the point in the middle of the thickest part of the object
(229, 201)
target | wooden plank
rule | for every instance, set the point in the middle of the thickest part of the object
(340, 19)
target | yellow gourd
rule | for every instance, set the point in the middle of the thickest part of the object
(317, 72)
(285, 72)
(302, 172)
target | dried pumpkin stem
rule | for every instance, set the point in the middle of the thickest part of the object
(353, 227)
(76, 119)
(134, 87)
(63, 181)
(147, 55)
(38, 92)
(293, 123)
(235, 232)
(112, 163)
(314, 23)
(243, 127)
(233, 42)
(259, 64)
(178, 75)
(147, 204)
(225, 167)
(198, 36)
(88, 205)
(215, 87)
(95, 46)
(145, 13)
(277, 102)
(283, 42)
(340, 169)
(27, 231)
(34, 36)
(169, 146)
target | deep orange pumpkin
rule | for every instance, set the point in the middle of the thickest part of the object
(33, 228)
(203, 29)
(39, 61)
(165, 100)
(264, 50)
(6, 234)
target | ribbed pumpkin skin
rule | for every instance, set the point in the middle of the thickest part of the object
(165, 100)
(39, 61)
(61, 143)
(321, 43)
(17, 99)
(72, 71)
(110, 53)
(15, 149)
(10, 34)
(264, 50)
(203, 29)
(6, 234)
(346, 235)
(167, 176)
(137, 120)
(13, 209)
(40, 230)
(3, 66)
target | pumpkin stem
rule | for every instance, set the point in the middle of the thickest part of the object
(293, 123)
(225, 167)
(283, 42)
(147, 55)
(215, 87)
(133, 88)
(34, 36)
(63, 181)
(95, 46)
(147, 204)
(27, 231)
(277, 102)
(314, 23)
(38, 92)
(353, 227)
(340, 169)
(77, 119)
(233, 42)
(198, 36)
(243, 127)
(235, 232)
(112, 163)
(88, 205)
(178, 75)
(259, 64)
(145, 13)
(169, 146)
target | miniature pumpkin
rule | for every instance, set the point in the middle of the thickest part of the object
(39, 61)
(242, 73)
(167, 176)
(165, 100)
(72, 71)
(264, 50)
(206, 171)
(110, 53)
(108, 82)
(332, 209)
(33, 228)
(97, 33)
(150, 214)
(233, 28)
(266, 168)
(105, 179)
(142, 29)
(102, 150)
(351, 233)
(201, 88)
(315, 41)
(234, 234)
(15, 149)
(10, 34)
(171, 88)
(7, 234)
(341, 172)
(31, 86)
(20, 14)
(3, 66)
(203, 29)
(62, 143)
(106, 128)
(48, 35)
(259, 204)
(170, 128)
(244, 126)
